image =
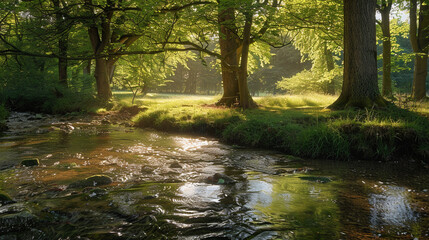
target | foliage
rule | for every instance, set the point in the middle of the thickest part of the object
(315, 28)
(35, 89)
(197, 76)
(398, 30)
(310, 81)
(325, 75)
(285, 62)
(140, 73)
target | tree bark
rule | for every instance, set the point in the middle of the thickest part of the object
(419, 41)
(228, 50)
(385, 9)
(62, 44)
(420, 75)
(101, 43)
(246, 100)
(62, 62)
(101, 75)
(111, 70)
(360, 87)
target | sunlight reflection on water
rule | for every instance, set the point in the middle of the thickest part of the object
(189, 144)
(261, 193)
(391, 207)
(200, 192)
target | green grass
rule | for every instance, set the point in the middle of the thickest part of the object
(297, 125)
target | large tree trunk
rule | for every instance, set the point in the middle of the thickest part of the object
(419, 37)
(360, 88)
(111, 70)
(387, 48)
(62, 62)
(101, 72)
(420, 74)
(246, 100)
(228, 50)
(102, 79)
(62, 43)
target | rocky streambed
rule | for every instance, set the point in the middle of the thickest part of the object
(97, 177)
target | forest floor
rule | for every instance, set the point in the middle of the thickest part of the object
(297, 125)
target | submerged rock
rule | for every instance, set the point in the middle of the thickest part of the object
(147, 169)
(175, 164)
(17, 221)
(96, 180)
(316, 179)
(96, 193)
(5, 199)
(42, 130)
(30, 162)
(220, 179)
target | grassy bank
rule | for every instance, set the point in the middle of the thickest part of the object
(297, 125)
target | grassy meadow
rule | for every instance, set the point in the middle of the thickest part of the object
(297, 125)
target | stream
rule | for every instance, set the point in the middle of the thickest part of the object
(162, 189)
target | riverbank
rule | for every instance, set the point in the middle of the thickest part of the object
(297, 125)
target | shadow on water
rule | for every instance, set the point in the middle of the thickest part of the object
(161, 190)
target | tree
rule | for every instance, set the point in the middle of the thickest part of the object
(235, 49)
(61, 23)
(113, 26)
(228, 43)
(419, 37)
(102, 22)
(236, 25)
(384, 8)
(360, 88)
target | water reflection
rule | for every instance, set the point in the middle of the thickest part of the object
(261, 193)
(190, 144)
(391, 207)
(159, 181)
(295, 208)
(200, 193)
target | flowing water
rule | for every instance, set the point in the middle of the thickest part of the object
(160, 188)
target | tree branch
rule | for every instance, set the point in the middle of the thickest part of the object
(178, 8)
